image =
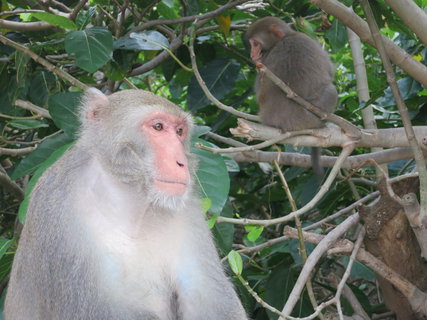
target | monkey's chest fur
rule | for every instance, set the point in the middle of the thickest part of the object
(150, 262)
(303, 65)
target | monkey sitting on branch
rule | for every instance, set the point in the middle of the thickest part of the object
(114, 229)
(301, 63)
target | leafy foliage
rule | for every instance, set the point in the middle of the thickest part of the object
(101, 46)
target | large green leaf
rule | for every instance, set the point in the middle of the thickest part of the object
(220, 76)
(63, 107)
(223, 232)
(40, 86)
(148, 40)
(33, 161)
(93, 47)
(55, 20)
(337, 36)
(166, 10)
(213, 177)
(28, 124)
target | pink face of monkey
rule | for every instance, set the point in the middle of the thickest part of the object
(166, 134)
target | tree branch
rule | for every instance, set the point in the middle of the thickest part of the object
(403, 110)
(43, 62)
(412, 15)
(399, 56)
(25, 26)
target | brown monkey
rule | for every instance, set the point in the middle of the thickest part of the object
(302, 64)
(114, 230)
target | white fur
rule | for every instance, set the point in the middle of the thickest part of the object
(142, 245)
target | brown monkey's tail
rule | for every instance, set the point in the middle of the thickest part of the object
(315, 163)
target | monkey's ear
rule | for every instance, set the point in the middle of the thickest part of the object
(93, 102)
(275, 30)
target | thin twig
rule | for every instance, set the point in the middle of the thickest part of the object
(205, 16)
(64, 75)
(258, 146)
(208, 94)
(347, 272)
(314, 257)
(257, 297)
(303, 250)
(9, 185)
(323, 189)
(33, 108)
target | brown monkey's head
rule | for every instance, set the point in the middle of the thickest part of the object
(143, 140)
(264, 34)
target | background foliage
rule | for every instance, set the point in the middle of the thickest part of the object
(102, 46)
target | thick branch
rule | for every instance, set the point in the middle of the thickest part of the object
(414, 295)
(413, 16)
(399, 56)
(403, 110)
(332, 136)
(24, 26)
(346, 151)
(77, 8)
(304, 160)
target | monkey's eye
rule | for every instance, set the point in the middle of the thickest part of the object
(180, 131)
(158, 126)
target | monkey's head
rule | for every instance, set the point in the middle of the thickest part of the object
(264, 34)
(141, 139)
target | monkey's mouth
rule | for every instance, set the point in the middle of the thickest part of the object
(170, 181)
(171, 187)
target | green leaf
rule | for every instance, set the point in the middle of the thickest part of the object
(212, 221)
(55, 20)
(254, 232)
(21, 64)
(40, 86)
(220, 76)
(236, 262)
(232, 165)
(337, 36)
(206, 204)
(4, 245)
(63, 108)
(28, 124)
(5, 267)
(213, 176)
(224, 232)
(114, 72)
(34, 160)
(93, 47)
(166, 11)
(83, 18)
(201, 130)
(41, 169)
(148, 40)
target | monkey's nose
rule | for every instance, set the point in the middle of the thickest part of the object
(180, 164)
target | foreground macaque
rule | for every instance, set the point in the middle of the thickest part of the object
(301, 63)
(114, 230)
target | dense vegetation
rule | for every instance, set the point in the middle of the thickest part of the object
(50, 51)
